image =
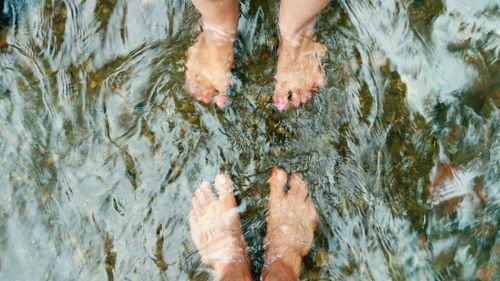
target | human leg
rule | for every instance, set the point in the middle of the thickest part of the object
(297, 18)
(291, 220)
(299, 71)
(211, 57)
(214, 224)
(219, 15)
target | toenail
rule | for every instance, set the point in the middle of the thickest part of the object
(290, 95)
(220, 100)
(280, 103)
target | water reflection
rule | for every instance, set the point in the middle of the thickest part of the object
(102, 148)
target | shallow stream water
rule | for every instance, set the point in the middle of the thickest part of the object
(102, 148)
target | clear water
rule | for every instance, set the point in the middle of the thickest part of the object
(101, 147)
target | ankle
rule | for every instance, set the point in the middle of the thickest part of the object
(233, 271)
(217, 32)
(288, 265)
(295, 36)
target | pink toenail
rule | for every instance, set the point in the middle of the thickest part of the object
(220, 100)
(296, 103)
(279, 103)
(306, 97)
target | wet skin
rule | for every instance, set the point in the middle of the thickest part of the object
(291, 220)
(299, 71)
(211, 58)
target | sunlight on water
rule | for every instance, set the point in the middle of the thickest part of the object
(102, 148)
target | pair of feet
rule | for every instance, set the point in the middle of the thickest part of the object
(215, 228)
(210, 60)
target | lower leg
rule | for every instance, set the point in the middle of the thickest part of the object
(299, 71)
(234, 272)
(220, 15)
(297, 18)
(286, 268)
(210, 58)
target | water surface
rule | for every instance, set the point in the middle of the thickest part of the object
(102, 148)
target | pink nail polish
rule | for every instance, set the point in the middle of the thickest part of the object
(220, 100)
(279, 103)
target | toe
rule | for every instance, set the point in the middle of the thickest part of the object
(203, 195)
(277, 183)
(220, 100)
(196, 88)
(305, 97)
(200, 90)
(203, 97)
(280, 102)
(224, 186)
(298, 186)
(206, 191)
(282, 96)
(295, 98)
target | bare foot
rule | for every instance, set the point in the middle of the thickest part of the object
(299, 72)
(209, 62)
(291, 220)
(214, 224)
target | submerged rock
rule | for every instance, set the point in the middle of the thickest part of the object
(438, 186)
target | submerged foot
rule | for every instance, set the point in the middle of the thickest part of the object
(299, 72)
(208, 66)
(291, 220)
(214, 224)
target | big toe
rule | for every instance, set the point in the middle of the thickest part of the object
(282, 98)
(277, 182)
(224, 186)
(220, 100)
